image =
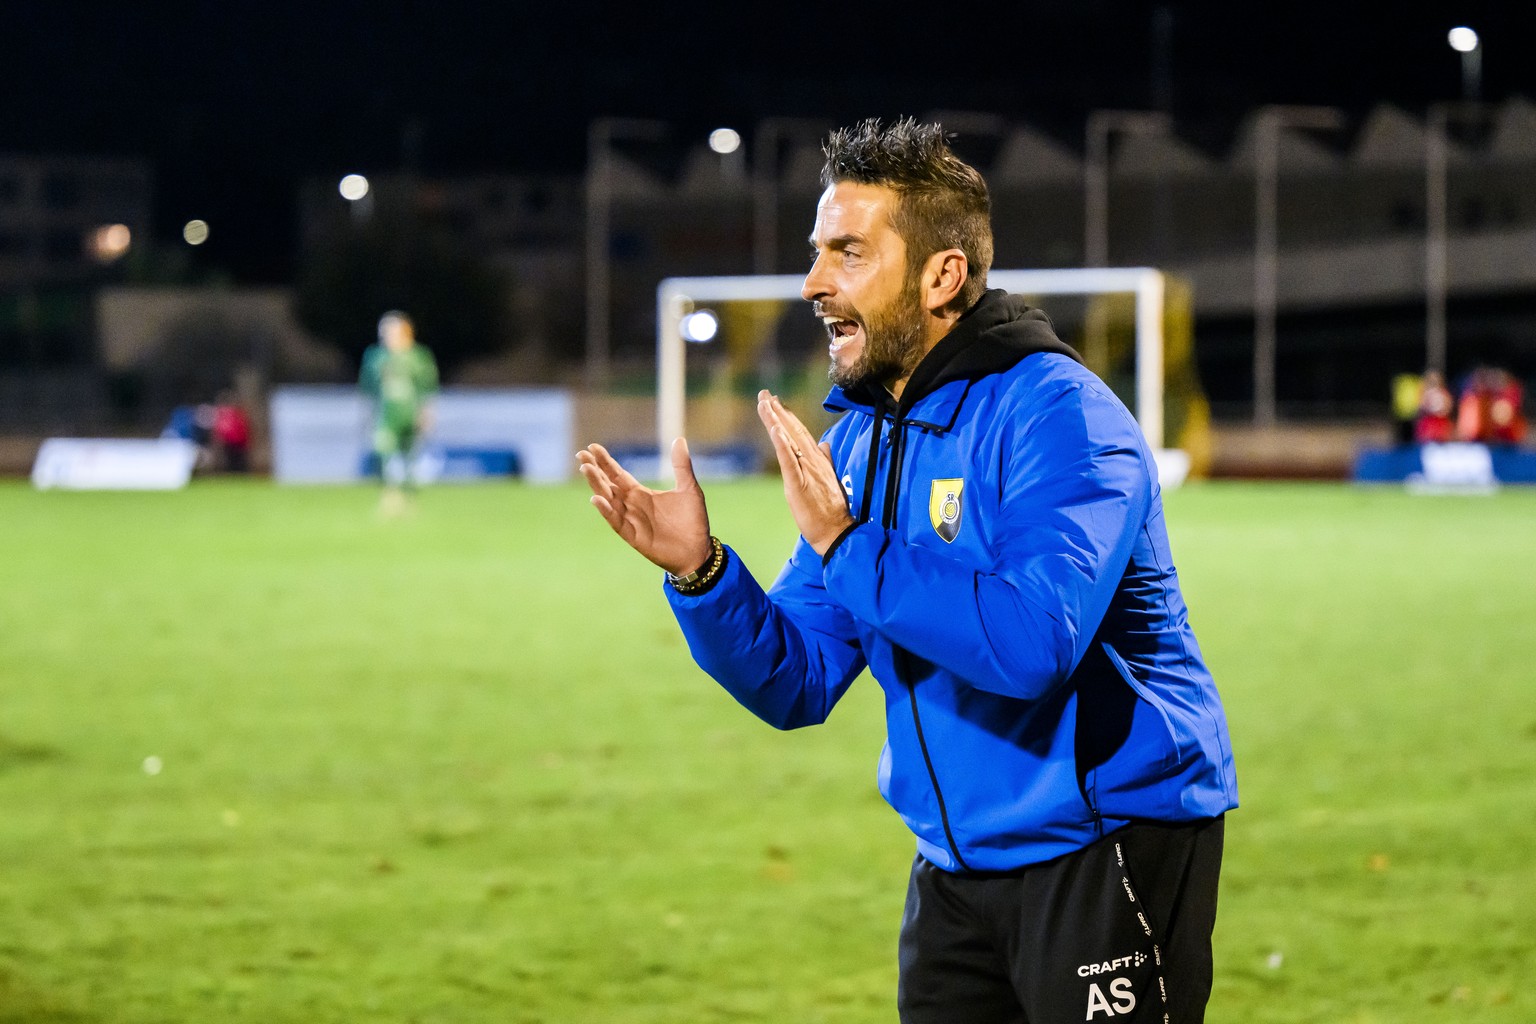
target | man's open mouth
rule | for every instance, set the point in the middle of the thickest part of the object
(840, 331)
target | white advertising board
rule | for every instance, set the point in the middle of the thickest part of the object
(113, 464)
(323, 433)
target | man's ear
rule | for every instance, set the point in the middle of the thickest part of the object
(944, 274)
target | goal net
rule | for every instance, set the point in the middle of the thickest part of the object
(1133, 326)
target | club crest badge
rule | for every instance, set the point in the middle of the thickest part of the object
(944, 508)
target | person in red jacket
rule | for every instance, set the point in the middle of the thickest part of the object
(232, 434)
(1434, 424)
(1506, 413)
(1491, 409)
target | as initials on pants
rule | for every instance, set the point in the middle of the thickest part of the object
(1120, 989)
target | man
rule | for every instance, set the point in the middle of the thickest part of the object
(401, 378)
(983, 530)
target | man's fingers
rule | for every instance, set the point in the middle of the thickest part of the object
(601, 458)
(782, 447)
(595, 478)
(801, 457)
(605, 498)
(604, 461)
(771, 410)
(765, 411)
(605, 509)
(802, 437)
(682, 465)
(773, 414)
(788, 463)
(781, 443)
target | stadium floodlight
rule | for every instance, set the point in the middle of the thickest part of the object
(110, 242)
(353, 187)
(1466, 42)
(358, 192)
(700, 326)
(726, 144)
(725, 140)
(676, 298)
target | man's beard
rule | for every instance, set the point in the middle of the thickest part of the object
(893, 344)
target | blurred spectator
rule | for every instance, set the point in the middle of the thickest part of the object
(182, 424)
(232, 434)
(1407, 395)
(1491, 408)
(401, 378)
(1506, 409)
(1434, 424)
(193, 423)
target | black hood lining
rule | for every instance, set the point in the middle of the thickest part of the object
(992, 336)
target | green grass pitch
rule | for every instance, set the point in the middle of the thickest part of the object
(460, 767)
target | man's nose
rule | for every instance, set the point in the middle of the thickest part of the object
(816, 285)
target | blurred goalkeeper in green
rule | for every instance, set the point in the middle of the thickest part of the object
(400, 376)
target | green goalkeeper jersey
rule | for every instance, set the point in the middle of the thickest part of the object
(399, 382)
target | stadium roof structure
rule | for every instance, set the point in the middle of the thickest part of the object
(1299, 152)
(1160, 154)
(628, 180)
(1392, 138)
(1514, 131)
(1029, 157)
(803, 168)
(707, 173)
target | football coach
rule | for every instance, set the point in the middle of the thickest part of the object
(983, 529)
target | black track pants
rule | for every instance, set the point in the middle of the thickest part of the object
(1119, 932)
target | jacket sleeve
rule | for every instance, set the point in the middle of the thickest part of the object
(788, 654)
(1073, 490)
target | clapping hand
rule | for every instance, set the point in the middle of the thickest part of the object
(815, 495)
(671, 528)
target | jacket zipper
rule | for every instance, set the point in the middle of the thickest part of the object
(888, 519)
(893, 474)
(872, 462)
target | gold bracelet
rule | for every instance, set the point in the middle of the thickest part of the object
(700, 579)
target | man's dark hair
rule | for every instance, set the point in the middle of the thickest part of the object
(941, 201)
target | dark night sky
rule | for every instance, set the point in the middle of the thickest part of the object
(235, 102)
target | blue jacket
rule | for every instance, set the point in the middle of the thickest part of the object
(1009, 584)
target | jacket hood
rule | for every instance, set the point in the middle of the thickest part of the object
(993, 336)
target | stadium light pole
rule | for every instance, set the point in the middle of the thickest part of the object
(1270, 122)
(1437, 147)
(601, 134)
(726, 144)
(357, 190)
(1469, 44)
(1102, 124)
(767, 139)
(770, 134)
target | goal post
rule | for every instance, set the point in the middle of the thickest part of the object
(677, 296)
